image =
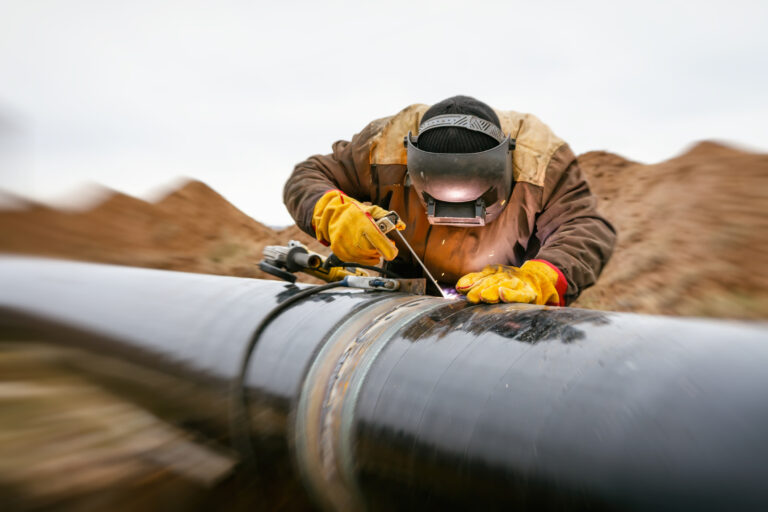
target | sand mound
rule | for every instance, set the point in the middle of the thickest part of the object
(192, 229)
(693, 233)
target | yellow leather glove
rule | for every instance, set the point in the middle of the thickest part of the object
(537, 282)
(347, 226)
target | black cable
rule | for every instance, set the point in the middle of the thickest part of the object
(240, 422)
(334, 261)
(382, 270)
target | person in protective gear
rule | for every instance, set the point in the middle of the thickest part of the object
(492, 201)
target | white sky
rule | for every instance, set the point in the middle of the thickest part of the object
(135, 94)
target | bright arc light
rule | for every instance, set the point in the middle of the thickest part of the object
(450, 293)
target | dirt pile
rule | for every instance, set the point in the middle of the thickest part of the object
(693, 233)
(192, 229)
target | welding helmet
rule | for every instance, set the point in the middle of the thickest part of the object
(461, 189)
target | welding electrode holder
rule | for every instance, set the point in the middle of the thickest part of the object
(388, 222)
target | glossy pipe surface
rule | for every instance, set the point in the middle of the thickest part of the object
(389, 400)
(517, 406)
(172, 343)
(190, 326)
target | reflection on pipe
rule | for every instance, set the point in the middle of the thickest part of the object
(380, 401)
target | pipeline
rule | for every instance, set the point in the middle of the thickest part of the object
(378, 400)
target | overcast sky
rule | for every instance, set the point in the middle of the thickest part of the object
(134, 94)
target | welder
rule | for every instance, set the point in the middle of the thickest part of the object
(493, 202)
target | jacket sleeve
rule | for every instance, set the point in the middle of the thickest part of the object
(573, 235)
(347, 169)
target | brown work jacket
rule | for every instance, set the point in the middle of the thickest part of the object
(551, 214)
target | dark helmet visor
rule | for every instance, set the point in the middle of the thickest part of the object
(461, 189)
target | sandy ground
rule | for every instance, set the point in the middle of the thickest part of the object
(192, 229)
(693, 233)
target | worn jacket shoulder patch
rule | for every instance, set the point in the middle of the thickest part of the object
(387, 144)
(536, 144)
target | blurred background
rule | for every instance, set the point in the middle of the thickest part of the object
(159, 134)
(134, 95)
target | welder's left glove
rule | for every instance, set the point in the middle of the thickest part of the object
(535, 282)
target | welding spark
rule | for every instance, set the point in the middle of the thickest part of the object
(450, 293)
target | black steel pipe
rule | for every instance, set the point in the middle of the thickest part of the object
(387, 400)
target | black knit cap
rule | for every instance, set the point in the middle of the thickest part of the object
(454, 139)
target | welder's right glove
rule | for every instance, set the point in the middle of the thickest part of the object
(348, 227)
(535, 282)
